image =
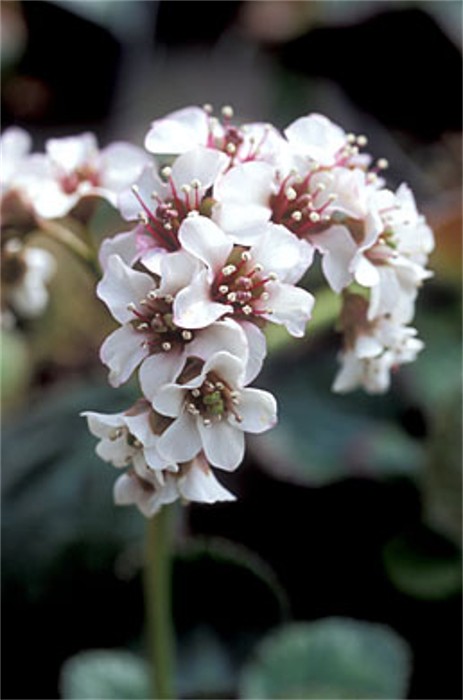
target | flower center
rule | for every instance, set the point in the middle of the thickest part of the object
(242, 285)
(156, 323)
(300, 204)
(70, 182)
(214, 400)
(162, 219)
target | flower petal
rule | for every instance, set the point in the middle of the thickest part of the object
(123, 244)
(158, 370)
(181, 441)
(178, 132)
(205, 240)
(122, 352)
(121, 286)
(223, 444)
(281, 252)
(201, 164)
(199, 484)
(290, 306)
(338, 248)
(257, 410)
(193, 307)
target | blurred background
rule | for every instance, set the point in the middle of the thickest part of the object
(351, 507)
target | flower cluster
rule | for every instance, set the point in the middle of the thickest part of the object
(224, 222)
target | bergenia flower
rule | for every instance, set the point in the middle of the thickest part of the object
(248, 284)
(15, 146)
(194, 481)
(149, 336)
(74, 167)
(211, 410)
(161, 205)
(186, 128)
(372, 348)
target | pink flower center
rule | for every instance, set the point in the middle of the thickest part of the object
(301, 205)
(155, 322)
(70, 182)
(242, 285)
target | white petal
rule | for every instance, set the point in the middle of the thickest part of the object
(139, 426)
(222, 335)
(338, 248)
(169, 400)
(200, 485)
(123, 244)
(121, 164)
(223, 444)
(291, 306)
(317, 137)
(257, 350)
(121, 286)
(230, 368)
(366, 273)
(160, 369)
(243, 196)
(177, 271)
(181, 441)
(257, 410)
(202, 164)
(281, 252)
(102, 425)
(350, 374)
(122, 352)
(117, 452)
(367, 346)
(206, 241)
(178, 132)
(72, 152)
(193, 307)
(240, 221)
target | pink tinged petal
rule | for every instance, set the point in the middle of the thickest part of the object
(117, 451)
(121, 286)
(222, 335)
(155, 461)
(281, 252)
(206, 241)
(72, 152)
(202, 164)
(291, 306)
(160, 369)
(317, 137)
(177, 271)
(127, 490)
(152, 258)
(123, 244)
(193, 307)
(120, 165)
(257, 350)
(228, 367)
(338, 248)
(122, 352)
(181, 441)
(223, 444)
(200, 485)
(169, 399)
(178, 132)
(50, 201)
(257, 410)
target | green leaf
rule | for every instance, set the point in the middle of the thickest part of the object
(423, 565)
(322, 437)
(15, 368)
(330, 658)
(101, 674)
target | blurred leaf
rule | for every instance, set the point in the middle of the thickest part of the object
(101, 674)
(205, 667)
(322, 437)
(15, 368)
(55, 486)
(423, 565)
(330, 658)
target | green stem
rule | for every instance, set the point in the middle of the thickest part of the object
(70, 240)
(158, 609)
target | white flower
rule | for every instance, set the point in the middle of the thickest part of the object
(130, 438)
(26, 272)
(211, 412)
(15, 145)
(246, 284)
(74, 167)
(187, 128)
(150, 337)
(161, 205)
(194, 481)
(372, 348)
